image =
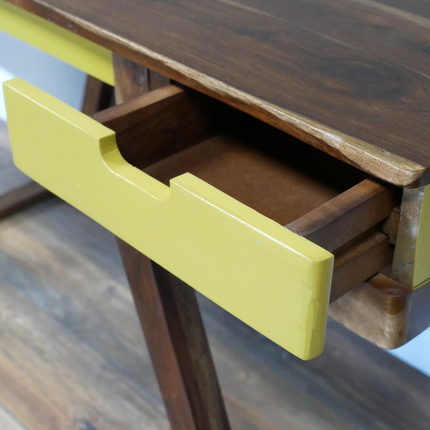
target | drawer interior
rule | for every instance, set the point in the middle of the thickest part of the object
(264, 168)
(172, 131)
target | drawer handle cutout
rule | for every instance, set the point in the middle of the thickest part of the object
(269, 277)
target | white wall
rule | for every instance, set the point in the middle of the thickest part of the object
(416, 352)
(18, 59)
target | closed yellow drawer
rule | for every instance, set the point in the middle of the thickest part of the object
(63, 44)
(218, 232)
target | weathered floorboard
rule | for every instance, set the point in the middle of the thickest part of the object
(49, 380)
(10, 176)
(70, 270)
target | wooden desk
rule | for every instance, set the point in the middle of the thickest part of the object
(347, 77)
(351, 84)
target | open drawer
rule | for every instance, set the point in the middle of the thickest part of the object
(232, 228)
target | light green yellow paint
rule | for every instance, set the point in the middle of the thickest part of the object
(422, 251)
(264, 274)
(65, 45)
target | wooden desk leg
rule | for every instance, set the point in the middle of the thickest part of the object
(168, 310)
(176, 338)
(97, 97)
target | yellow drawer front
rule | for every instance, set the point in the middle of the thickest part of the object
(269, 277)
(65, 45)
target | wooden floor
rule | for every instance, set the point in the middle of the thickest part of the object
(72, 355)
(10, 176)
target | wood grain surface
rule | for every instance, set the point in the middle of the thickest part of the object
(384, 311)
(347, 215)
(359, 263)
(249, 163)
(136, 79)
(165, 121)
(97, 96)
(10, 176)
(350, 77)
(176, 339)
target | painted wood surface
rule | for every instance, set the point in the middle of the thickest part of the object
(350, 77)
(17, 191)
(267, 276)
(65, 45)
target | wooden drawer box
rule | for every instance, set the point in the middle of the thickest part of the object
(241, 197)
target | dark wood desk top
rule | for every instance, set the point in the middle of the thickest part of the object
(348, 76)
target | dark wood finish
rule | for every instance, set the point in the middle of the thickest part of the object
(21, 197)
(226, 163)
(359, 263)
(250, 164)
(176, 340)
(249, 168)
(139, 79)
(384, 311)
(162, 122)
(134, 78)
(167, 308)
(346, 216)
(98, 96)
(391, 225)
(346, 77)
(156, 80)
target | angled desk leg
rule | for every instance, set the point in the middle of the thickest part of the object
(97, 97)
(169, 313)
(176, 339)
